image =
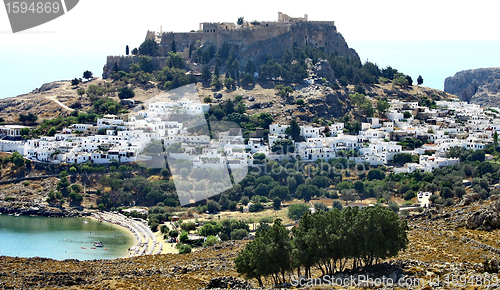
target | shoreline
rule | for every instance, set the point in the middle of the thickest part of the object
(41, 210)
(145, 240)
(118, 227)
(63, 230)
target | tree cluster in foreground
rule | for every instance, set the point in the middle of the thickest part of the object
(326, 240)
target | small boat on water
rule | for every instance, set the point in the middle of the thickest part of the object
(85, 221)
(84, 248)
(98, 244)
(17, 214)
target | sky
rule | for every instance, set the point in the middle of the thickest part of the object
(97, 26)
(113, 20)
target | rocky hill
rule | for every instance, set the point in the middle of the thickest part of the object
(253, 44)
(479, 86)
(56, 99)
(319, 100)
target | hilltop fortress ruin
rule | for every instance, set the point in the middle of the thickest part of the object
(250, 40)
(227, 32)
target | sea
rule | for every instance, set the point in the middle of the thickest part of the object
(61, 238)
(24, 67)
(433, 60)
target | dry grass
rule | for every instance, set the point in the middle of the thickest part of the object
(436, 238)
(444, 239)
(189, 271)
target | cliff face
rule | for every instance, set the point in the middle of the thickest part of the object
(479, 86)
(322, 35)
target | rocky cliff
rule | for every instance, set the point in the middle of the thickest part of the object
(479, 86)
(248, 45)
(322, 35)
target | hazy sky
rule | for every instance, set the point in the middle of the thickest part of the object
(113, 20)
(96, 28)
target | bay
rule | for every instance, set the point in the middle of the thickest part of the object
(61, 238)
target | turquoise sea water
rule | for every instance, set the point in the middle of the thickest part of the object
(61, 238)
(24, 67)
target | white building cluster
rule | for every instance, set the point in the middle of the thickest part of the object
(124, 138)
(451, 124)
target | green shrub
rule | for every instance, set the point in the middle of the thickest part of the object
(393, 206)
(277, 203)
(184, 249)
(184, 237)
(239, 234)
(337, 204)
(449, 202)
(256, 207)
(126, 93)
(173, 233)
(439, 200)
(297, 210)
(188, 227)
(211, 240)
(76, 188)
(409, 195)
(320, 206)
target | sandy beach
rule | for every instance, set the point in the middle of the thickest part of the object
(118, 227)
(145, 241)
(168, 248)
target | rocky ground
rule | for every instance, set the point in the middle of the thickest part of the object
(443, 242)
(189, 271)
(58, 98)
(41, 102)
(320, 101)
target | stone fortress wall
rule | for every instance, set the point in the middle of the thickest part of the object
(211, 33)
(253, 40)
(124, 62)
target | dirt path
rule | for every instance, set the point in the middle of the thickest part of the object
(54, 98)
